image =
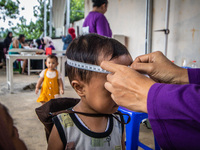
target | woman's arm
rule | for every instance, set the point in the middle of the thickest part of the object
(194, 76)
(54, 142)
(173, 112)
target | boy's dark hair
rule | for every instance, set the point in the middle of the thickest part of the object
(87, 49)
(98, 3)
(53, 57)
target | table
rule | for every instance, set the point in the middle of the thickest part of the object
(11, 58)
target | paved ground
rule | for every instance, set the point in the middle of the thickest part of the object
(22, 106)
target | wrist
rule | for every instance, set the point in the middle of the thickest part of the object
(181, 76)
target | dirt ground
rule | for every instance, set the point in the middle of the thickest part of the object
(22, 104)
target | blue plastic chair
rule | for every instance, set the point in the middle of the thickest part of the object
(133, 128)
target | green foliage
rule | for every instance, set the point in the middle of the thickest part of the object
(30, 31)
(33, 30)
(9, 10)
(77, 10)
(38, 11)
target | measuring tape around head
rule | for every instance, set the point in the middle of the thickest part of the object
(86, 66)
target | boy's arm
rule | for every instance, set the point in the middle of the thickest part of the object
(54, 142)
(60, 82)
(123, 141)
(41, 79)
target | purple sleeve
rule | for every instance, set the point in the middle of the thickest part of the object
(174, 114)
(103, 27)
(52, 47)
(194, 76)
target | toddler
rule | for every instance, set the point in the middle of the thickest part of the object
(51, 79)
(81, 131)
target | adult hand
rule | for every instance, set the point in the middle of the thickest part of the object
(128, 87)
(160, 69)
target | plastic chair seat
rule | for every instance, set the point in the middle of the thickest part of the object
(133, 128)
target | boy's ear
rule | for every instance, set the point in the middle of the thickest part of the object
(79, 87)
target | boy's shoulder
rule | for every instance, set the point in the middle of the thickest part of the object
(64, 119)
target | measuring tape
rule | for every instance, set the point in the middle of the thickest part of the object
(86, 66)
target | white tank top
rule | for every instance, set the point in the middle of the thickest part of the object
(75, 135)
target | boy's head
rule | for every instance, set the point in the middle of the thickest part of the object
(93, 49)
(51, 62)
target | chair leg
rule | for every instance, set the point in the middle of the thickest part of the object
(157, 147)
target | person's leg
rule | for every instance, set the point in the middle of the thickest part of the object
(24, 65)
(1, 58)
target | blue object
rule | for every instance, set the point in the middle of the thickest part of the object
(133, 128)
(186, 67)
(66, 40)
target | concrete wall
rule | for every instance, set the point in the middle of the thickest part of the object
(127, 17)
(184, 37)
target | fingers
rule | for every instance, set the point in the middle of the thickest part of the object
(108, 87)
(142, 59)
(142, 67)
(110, 66)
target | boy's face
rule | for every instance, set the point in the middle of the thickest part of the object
(51, 63)
(96, 96)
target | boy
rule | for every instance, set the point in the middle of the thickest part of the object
(81, 132)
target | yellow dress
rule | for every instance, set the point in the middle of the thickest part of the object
(49, 88)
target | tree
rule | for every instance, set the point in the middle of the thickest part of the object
(35, 30)
(31, 31)
(9, 10)
(77, 10)
(39, 13)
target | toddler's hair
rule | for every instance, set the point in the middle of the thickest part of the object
(53, 57)
(87, 49)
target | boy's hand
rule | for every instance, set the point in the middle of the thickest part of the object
(36, 90)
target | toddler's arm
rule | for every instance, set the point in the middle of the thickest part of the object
(54, 142)
(60, 82)
(41, 79)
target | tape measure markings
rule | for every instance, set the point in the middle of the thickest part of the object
(86, 66)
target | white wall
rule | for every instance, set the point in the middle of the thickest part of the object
(125, 20)
(58, 44)
(184, 25)
(127, 17)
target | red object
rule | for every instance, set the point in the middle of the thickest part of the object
(194, 61)
(72, 32)
(48, 51)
